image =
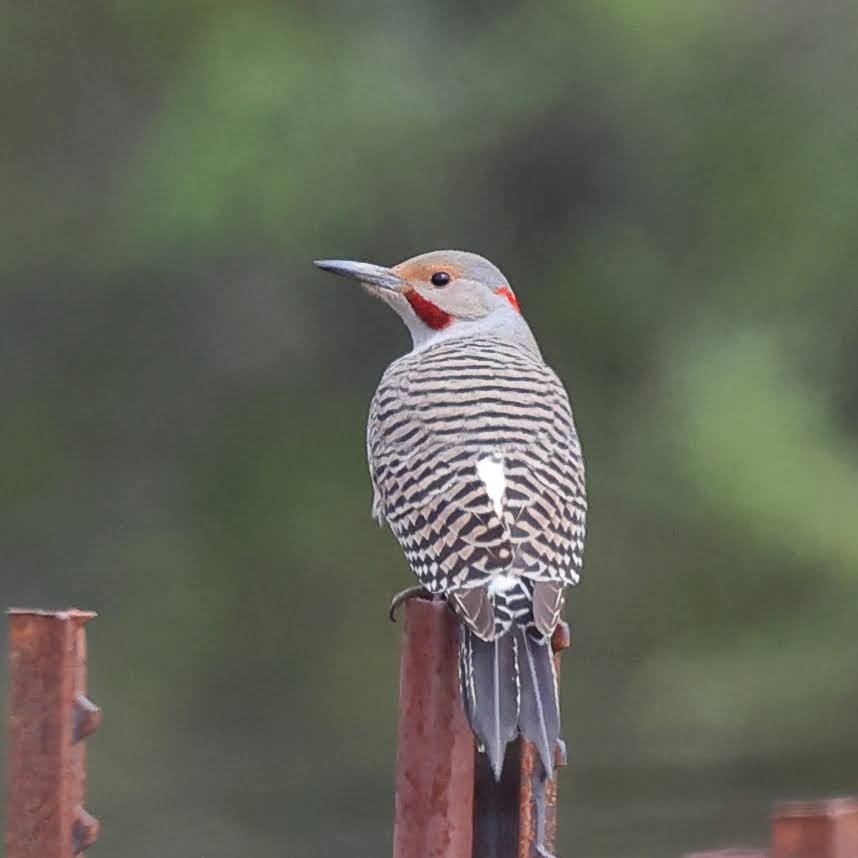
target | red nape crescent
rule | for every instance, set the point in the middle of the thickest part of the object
(508, 294)
(430, 313)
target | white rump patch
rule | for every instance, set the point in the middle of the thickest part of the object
(490, 471)
(502, 583)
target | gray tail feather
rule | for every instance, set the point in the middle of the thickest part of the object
(539, 718)
(488, 671)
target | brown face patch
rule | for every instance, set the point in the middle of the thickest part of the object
(421, 272)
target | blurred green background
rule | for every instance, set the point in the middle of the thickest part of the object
(671, 189)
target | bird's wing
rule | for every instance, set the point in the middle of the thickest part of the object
(466, 512)
(372, 445)
(437, 507)
(548, 509)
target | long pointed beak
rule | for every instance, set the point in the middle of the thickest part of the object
(373, 275)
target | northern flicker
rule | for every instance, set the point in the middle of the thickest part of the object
(477, 470)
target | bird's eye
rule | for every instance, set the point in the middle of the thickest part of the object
(440, 278)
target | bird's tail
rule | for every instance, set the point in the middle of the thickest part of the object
(509, 686)
(539, 718)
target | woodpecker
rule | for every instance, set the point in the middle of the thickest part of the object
(477, 470)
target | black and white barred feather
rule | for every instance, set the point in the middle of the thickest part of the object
(477, 470)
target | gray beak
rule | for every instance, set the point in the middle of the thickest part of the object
(373, 275)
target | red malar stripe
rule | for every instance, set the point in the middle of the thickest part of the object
(433, 316)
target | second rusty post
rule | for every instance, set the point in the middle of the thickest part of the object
(815, 829)
(49, 716)
(805, 829)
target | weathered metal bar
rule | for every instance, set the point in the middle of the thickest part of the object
(496, 805)
(447, 801)
(49, 715)
(815, 829)
(435, 754)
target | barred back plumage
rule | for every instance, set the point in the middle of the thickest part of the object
(478, 472)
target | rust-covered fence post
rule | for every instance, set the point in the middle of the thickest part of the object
(447, 802)
(435, 753)
(805, 829)
(815, 829)
(49, 716)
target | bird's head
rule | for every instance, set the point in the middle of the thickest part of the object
(440, 294)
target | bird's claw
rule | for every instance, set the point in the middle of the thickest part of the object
(404, 596)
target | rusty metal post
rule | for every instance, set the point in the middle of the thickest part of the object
(49, 715)
(815, 829)
(435, 754)
(496, 805)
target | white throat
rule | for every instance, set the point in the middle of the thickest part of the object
(504, 323)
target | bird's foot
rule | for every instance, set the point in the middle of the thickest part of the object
(408, 593)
